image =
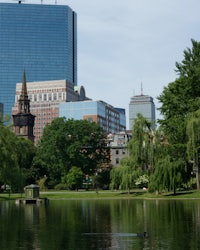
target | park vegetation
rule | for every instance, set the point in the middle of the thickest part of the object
(168, 155)
(73, 154)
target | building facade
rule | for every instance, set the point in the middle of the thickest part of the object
(118, 143)
(42, 39)
(111, 119)
(144, 105)
(45, 97)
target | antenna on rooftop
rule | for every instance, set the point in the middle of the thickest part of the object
(19, 1)
(141, 89)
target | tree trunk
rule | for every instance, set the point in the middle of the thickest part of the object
(174, 190)
(196, 169)
(197, 176)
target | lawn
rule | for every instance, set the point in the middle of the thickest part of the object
(134, 194)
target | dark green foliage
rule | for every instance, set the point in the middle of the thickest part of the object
(179, 100)
(182, 96)
(193, 144)
(74, 178)
(140, 159)
(124, 176)
(16, 159)
(67, 143)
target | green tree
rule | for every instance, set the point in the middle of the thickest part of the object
(141, 146)
(193, 144)
(74, 179)
(68, 143)
(8, 157)
(178, 100)
(25, 150)
(124, 175)
(168, 174)
(182, 96)
(116, 177)
(16, 159)
(141, 156)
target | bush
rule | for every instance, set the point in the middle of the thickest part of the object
(61, 186)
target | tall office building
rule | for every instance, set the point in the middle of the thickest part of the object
(111, 119)
(1, 111)
(42, 39)
(141, 104)
(45, 97)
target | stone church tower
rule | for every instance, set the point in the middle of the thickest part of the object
(23, 121)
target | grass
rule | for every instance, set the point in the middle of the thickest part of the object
(134, 194)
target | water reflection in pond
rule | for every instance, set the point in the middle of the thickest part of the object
(101, 224)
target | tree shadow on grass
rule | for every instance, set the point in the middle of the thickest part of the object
(180, 193)
(133, 193)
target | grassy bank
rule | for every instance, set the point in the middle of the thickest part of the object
(134, 194)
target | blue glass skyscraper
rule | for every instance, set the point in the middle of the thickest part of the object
(42, 39)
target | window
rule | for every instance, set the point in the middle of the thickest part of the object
(90, 119)
(21, 130)
(40, 97)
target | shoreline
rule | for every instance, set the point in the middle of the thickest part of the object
(108, 194)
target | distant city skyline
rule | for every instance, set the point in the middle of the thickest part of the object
(124, 44)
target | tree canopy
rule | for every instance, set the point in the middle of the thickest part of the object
(179, 100)
(16, 158)
(182, 96)
(168, 153)
(67, 143)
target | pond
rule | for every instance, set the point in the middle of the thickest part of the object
(101, 224)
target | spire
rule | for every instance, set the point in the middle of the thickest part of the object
(24, 102)
(24, 95)
(141, 89)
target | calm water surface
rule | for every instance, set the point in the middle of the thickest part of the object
(101, 224)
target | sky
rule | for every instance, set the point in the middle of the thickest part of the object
(130, 47)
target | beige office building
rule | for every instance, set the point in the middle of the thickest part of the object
(45, 97)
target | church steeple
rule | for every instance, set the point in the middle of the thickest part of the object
(24, 102)
(24, 88)
(23, 121)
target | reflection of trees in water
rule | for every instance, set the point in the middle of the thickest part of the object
(127, 217)
(170, 224)
(96, 219)
(20, 225)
